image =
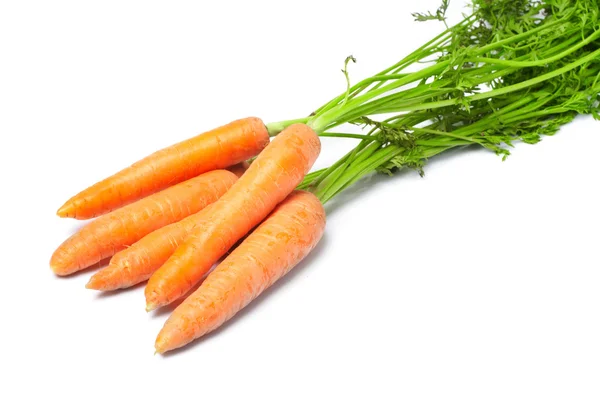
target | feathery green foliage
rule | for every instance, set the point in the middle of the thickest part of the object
(513, 70)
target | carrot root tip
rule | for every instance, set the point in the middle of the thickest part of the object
(161, 345)
(66, 210)
(98, 281)
(92, 284)
(58, 270)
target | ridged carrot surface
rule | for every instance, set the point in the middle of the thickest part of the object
(216, 149)
(138, 262)
(279, 243)
(272, 176)
(112, 232)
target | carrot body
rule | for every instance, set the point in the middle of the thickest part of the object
(216, 149)
(138, 262)
(268, 253)
(112, 232)
(270, 178)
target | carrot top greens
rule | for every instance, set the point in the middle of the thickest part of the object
(511, 70)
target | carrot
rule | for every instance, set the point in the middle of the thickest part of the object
(114, 231)
(269, 179)
(216, 149)
(239, 169)
(267, 254)
(137, 262)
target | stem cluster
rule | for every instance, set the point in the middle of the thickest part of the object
(512, 70)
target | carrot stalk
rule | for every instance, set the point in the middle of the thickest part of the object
(112, 232)
(138, 262)
(291, 231)
(216, 149)
(270, 178)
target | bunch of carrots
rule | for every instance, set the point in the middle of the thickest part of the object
(171, 216)
(173, 235)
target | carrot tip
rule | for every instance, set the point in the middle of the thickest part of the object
(93, 284)
(58, 270)
(150, 307)
(98, 281)
(160, 347)
(66, 211)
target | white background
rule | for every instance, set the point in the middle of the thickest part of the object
(479, 281)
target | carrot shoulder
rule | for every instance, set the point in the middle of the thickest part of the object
(270, 178)
(268, 253)
(112, 232)
(138, 262)
(216, 149)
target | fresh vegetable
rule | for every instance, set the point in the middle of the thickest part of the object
(279, 243)
(120, 228)
(270, 178)
(135, 263)
(217, 149)
(512, 70)
(138, 262)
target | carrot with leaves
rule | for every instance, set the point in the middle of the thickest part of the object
(118, 229)
(217, 149)
(277, 245)
(270, 178)
(485, 83)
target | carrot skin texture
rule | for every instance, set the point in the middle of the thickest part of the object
(112, 232)
(291, 231)
(216, 149)
(138, 262)
(273, 175)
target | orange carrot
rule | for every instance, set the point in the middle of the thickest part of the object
(239, 169)
(114, 231)
(272, 250)
(216, 149)
(137, 262)
(271, 177)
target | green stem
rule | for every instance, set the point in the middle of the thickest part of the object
(275, 127)
(537, 63)
(347, 135)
